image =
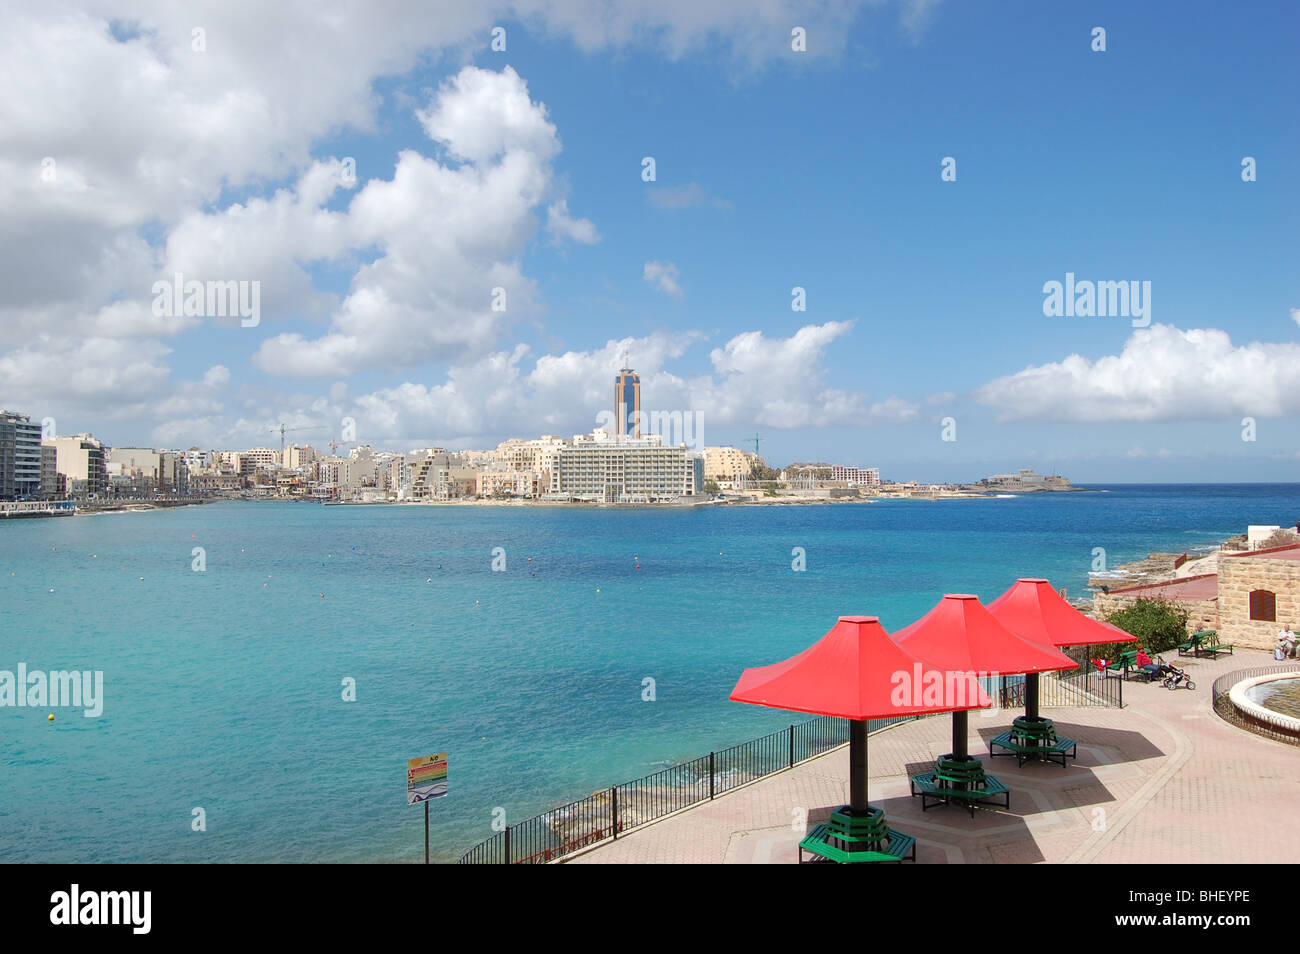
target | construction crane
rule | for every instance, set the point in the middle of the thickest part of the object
(755, 439)
(334, 444)
(289, 430)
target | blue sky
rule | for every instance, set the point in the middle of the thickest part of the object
(774, 169)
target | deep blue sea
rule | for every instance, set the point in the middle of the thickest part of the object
(223, 688)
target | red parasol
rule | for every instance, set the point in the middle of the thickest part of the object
(1033, 609)
(960, 635)
(857, 672)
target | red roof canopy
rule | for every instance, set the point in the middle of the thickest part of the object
(857, 672)
(1031, 608)
(960, 634)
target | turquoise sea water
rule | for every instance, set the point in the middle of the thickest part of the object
(223, 687)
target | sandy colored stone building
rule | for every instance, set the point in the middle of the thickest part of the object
(1251, 597)
(1259, 593)
(727, 463)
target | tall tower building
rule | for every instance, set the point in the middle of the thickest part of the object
(627, 401)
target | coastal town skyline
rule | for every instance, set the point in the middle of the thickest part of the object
(456, 239)
(635, 456)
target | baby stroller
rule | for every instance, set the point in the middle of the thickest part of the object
(1175, 677)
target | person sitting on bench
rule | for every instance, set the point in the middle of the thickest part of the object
(1286, 644)
(1143, 661)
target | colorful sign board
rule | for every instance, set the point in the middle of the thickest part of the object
(426, 778)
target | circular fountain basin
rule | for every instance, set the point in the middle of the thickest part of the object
(1247, 694)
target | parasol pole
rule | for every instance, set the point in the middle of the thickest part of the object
(959, 731)
(858, 766)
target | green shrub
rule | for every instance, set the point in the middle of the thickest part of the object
(1158, 624)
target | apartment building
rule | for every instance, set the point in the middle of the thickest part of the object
(264, 458)
(727, 463)
(514, 483)
(20, 457)
(81, 460)
(440, 476)
(54, 486)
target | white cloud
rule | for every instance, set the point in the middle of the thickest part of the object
(740, 32)
(683, 197)
(1295, 315)
(448, 236)
(105, 377)
(755, 380)
(478, 115)
(1145, 453)
(916, 15)
(148, 137)
(563, 226)
(270, 241)
(663, 276)
(1163, 373)
(497, 395)
(778, 382)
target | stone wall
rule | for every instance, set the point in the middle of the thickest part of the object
(1201, 614)
(1238, 576)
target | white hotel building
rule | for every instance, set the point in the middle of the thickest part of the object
(862, 476)
(606, 468)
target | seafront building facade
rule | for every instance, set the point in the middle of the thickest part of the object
(20, 457)
(728, 464)
(440, 476)
(606, 468)
(54, 486)
(81, 460)
(508, 483)
(264, 457)
(144, 471)
(862, 476)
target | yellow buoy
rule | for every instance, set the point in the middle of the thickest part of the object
(51, 716)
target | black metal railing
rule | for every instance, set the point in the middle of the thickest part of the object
(1219, 695)
(610, 812)
(1083, 689)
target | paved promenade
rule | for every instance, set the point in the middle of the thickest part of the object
(1162, 780)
